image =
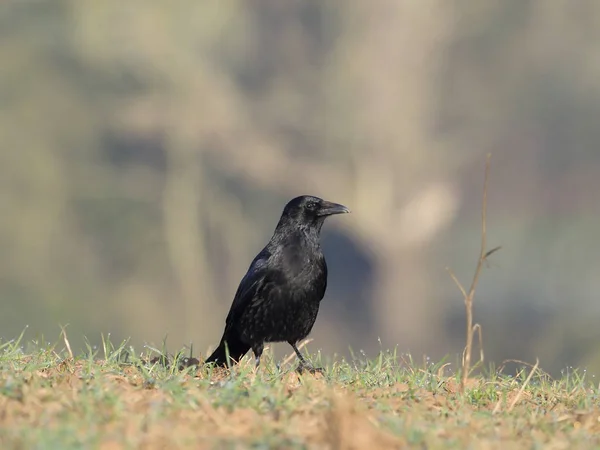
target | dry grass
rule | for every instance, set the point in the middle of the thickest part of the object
(51, 400)
(468, 297)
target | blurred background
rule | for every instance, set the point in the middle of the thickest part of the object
(148, 148)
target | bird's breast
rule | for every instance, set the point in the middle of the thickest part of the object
(307, 274)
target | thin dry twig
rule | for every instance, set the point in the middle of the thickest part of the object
(469, 296)
(523, 363)
(67, 344)
(496, 409)
(527, 380)
(534, 367)
(440, 373)
(458, 283)
(477, 328)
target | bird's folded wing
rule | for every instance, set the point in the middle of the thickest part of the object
(259, 284)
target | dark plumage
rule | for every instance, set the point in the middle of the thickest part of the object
(278, 298)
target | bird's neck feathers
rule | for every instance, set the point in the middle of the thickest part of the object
(289, 230)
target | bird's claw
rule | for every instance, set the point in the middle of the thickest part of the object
(309, 368)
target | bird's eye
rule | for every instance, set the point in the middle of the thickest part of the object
(311, 205)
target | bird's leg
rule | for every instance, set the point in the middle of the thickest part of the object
(304, 364)
(258, 350)
(300, 356)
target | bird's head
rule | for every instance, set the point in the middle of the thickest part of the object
(310, 210)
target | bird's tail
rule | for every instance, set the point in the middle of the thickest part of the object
(235, 347)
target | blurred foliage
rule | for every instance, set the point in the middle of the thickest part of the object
(149, 146)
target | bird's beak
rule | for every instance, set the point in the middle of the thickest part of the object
(330, 208)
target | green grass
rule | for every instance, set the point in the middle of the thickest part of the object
(113, 399)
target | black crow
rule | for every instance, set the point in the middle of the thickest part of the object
(278, 298)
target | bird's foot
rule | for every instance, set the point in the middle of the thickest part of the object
(309, 368)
